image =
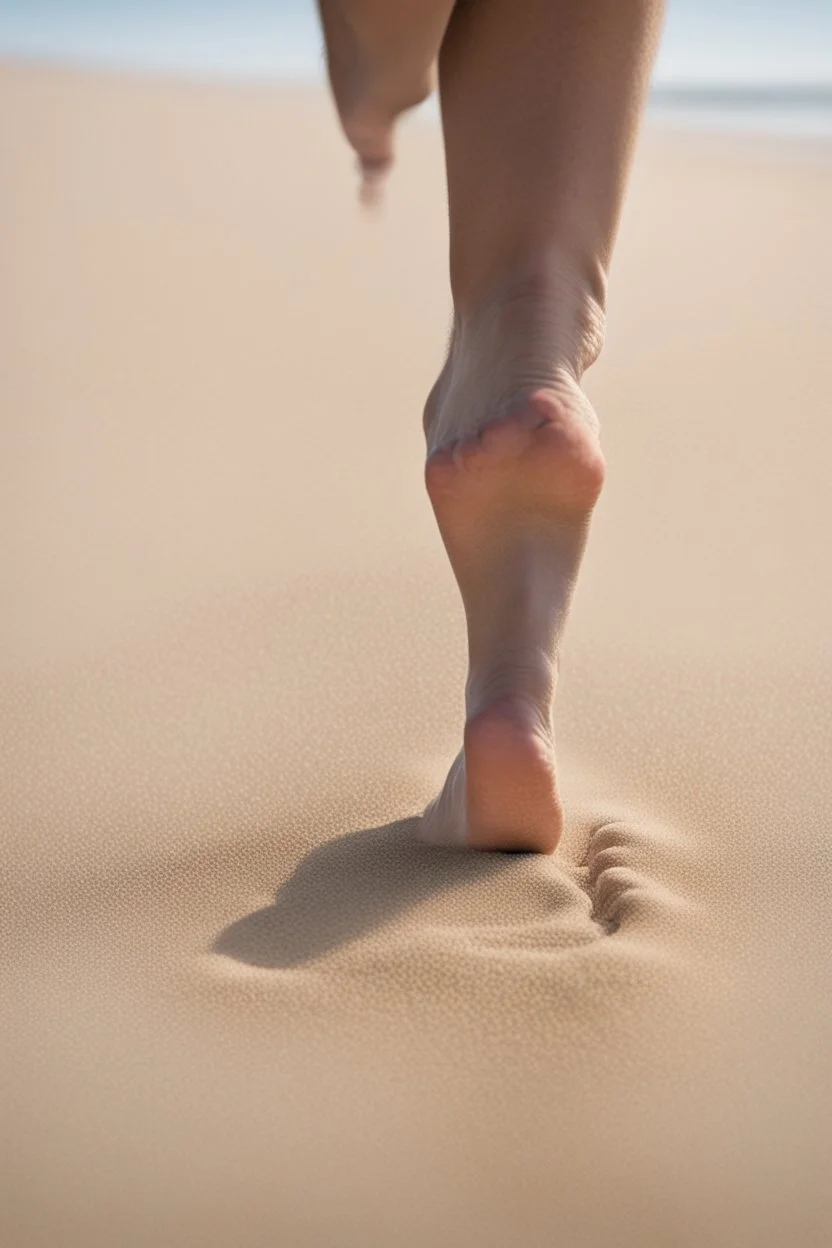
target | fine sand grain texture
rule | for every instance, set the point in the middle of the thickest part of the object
(242, 1005)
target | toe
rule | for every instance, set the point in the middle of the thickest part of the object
(372, 186)
(371, 138)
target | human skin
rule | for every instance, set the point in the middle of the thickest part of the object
(541, 104)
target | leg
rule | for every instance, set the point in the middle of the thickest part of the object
(381, 56)
(540, 105)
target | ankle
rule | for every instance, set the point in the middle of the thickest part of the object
(553, 307)
(524, 675)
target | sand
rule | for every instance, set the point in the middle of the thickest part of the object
(241, 1005)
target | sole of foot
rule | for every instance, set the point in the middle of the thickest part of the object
(513, 503)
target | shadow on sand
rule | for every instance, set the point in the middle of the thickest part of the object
(345, 889)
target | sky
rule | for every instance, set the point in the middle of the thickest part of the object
(705, 41)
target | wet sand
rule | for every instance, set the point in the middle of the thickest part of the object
(242, 1004)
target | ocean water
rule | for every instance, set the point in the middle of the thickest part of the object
(750, 65)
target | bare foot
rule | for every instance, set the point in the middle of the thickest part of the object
(513, 501)
(381, 61)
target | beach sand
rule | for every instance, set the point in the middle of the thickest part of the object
(241, 1004)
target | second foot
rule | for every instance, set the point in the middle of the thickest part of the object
(381, 61)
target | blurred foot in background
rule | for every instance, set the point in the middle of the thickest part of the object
(381, 59)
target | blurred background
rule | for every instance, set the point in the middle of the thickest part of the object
(761, 65)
